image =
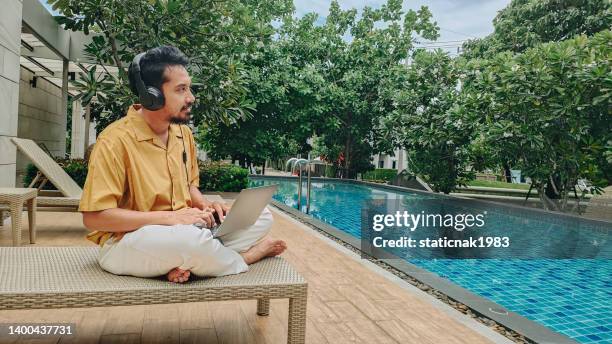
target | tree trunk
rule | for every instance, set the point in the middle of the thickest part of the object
(546, 202)
(453, 178)
(507, 173)
(347, 160)
(87, 125)
(113, 43)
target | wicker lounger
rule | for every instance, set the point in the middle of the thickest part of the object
(69, 191)
(66, 277)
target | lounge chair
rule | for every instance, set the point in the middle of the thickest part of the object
(70, 277)
(69, 192)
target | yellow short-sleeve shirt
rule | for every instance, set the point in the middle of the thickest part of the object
(131, 168)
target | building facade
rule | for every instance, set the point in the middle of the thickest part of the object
(37, 57)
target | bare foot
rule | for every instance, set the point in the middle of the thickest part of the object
(177, 275)
(265, 248)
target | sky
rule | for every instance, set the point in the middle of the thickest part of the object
(458, 20)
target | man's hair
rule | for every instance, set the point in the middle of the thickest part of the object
(154, 63)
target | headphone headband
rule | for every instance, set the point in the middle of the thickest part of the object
(150, 97)
(140, 86)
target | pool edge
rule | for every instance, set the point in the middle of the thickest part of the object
(607, 225)
(478, 304)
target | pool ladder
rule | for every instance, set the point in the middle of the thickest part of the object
(300, 164)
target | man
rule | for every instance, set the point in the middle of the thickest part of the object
(141, 197)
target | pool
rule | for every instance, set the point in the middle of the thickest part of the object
(569, 296)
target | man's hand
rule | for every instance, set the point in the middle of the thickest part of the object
(192, 215)
(220, 208)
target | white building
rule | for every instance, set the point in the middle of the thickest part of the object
(397, 161)
(37, 58)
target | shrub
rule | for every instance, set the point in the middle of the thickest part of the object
(330, 171)
(380, 174)
(215, 176)
(75, 168)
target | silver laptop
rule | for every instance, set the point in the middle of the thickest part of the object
(245, 211)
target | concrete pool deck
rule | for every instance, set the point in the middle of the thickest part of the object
(350, 301)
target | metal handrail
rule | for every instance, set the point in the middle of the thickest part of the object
(301, 163)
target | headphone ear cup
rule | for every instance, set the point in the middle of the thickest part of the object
(156, 98)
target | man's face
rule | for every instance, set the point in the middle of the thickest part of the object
(177, 94)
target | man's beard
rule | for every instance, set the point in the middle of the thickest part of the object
(177, 120)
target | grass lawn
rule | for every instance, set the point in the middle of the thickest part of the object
(496, 184)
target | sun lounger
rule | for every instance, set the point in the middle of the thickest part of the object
(69, 191)
(70, 277)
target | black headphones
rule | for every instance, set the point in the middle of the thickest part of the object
(151, 98)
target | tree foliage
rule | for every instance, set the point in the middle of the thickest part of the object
(531, 96)
(216, 35)
(331, 79)
(429, 123)
(526, 23)
(547, 111)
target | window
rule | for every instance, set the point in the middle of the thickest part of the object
(381, 164)
(394, 164)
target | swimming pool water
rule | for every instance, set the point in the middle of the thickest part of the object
(569, 296)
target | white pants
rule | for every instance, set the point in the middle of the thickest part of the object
(154, 250)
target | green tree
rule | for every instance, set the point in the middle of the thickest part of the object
(321, 148)
(279, 97)
(216, 35)
(526, 23)
(428, 122)
(328, 80)
(352, 61)
(547, 112)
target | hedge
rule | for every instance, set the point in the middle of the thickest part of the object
(380, 174)
(75, 168)
(215, 176)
